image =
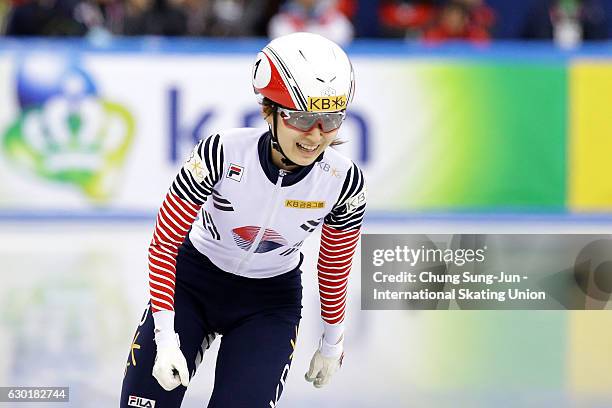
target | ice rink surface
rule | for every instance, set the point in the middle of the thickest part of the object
(73, 293)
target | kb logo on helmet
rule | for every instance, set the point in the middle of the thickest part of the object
(326, 103)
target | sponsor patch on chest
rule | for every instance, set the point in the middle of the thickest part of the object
(235, 172)
(304, 205)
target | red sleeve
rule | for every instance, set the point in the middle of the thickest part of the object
(189, 190)
(173, 222)
(335, 260)
(339, 238)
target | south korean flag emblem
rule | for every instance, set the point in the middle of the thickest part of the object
(235, 172)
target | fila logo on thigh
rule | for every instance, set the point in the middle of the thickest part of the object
(135, 401)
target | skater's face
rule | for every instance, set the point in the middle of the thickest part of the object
(303, 139)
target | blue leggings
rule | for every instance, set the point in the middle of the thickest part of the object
(257, 318)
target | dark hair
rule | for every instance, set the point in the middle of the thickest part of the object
(269, 107)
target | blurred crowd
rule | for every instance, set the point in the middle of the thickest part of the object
(567, 22)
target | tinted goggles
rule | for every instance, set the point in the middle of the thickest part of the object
(305, 121)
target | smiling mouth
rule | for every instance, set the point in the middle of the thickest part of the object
(307, 148)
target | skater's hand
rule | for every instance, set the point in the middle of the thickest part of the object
(325, 362)
(170, 369)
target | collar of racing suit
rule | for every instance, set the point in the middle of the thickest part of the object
(271, 169)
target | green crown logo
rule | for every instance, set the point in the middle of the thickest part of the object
(82, 142)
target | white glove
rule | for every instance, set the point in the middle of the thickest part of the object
(325, 362)
(170, 369)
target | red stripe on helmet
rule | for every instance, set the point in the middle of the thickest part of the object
(276, 90)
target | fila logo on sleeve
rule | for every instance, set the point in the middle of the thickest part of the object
(235, 172)
(134, 401)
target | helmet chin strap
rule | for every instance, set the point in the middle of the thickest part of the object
(276, 144)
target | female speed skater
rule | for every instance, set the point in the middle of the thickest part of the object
(225, 254)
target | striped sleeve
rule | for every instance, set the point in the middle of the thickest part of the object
(189, 190)
(339, 238)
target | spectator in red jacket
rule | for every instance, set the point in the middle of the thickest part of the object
(402, 18)
(467, 20)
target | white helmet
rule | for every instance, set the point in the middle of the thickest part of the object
(305, 72)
